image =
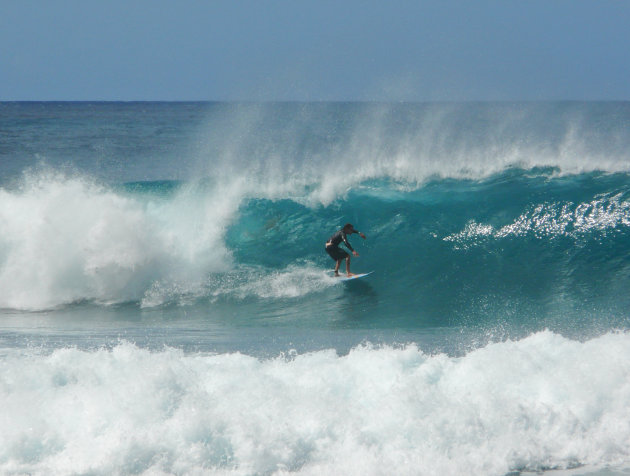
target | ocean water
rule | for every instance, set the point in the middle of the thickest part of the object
(167, 307)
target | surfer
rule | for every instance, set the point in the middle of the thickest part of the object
(336, 253)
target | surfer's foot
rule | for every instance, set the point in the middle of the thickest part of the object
(336, 275)
(351, 274)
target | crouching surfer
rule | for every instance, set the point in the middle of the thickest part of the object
(336, 253)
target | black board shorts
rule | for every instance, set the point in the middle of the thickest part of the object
(336, 253)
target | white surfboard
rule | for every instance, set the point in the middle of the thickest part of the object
(356, 276)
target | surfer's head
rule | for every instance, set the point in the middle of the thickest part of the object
(348, 229)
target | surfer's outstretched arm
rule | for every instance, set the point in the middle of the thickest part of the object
(361, 235)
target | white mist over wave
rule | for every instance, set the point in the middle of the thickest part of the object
(539, 403)
(273, 155)
(67, 239)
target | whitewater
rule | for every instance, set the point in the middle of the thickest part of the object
(167, 307)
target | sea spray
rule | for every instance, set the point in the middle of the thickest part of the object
(324, 150)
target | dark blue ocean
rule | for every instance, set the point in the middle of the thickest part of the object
(167, 306)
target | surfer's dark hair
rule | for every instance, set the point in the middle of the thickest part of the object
(348, 227)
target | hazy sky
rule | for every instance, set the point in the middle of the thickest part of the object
(314, 50)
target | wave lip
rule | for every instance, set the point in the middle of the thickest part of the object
(544, 402)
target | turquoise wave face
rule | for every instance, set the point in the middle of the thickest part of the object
(516, 250)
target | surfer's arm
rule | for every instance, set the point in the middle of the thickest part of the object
(347, 243)
(350, 247)
(354, 252)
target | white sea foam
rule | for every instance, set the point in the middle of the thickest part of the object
(539, 403)
(244, 282)
(290, 282)
(66, 239)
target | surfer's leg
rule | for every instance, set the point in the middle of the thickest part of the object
(338, 255)
(348, 266)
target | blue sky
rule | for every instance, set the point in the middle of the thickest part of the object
(315, 50)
